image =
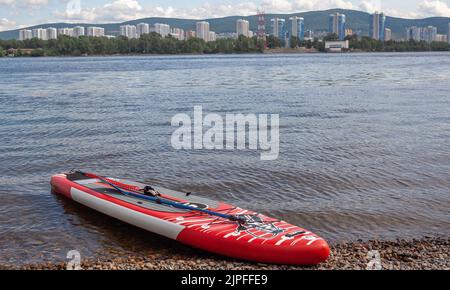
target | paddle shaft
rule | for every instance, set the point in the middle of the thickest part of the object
(163, 201)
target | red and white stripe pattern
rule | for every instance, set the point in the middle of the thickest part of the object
(230, 230)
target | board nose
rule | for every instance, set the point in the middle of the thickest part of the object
(321, 251)
(316, 253)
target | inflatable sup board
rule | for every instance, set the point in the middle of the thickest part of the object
(199, 222)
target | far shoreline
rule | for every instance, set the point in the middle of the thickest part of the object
(265, 53)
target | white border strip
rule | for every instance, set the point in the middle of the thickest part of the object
(146, 222)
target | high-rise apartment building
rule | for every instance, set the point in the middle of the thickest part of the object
(52, 33)
(128, 31)
(65, 31)
(212, 36)
(387, 34)
(377, 26)
(279, 28)
(441, 38)
(78, 31)
(202, 30)
(427, 34)
(25, 34)
(337, 24)
(162, 29)
(309, 35)
(95, 31)
(448, 34)
(190, 34)
(242, 27)
(141, 29)
(298, 27)
(39, 33)
(177, 33)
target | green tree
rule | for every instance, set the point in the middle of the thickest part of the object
(309, 44)
(319, 45)
(295, 42)
(153, 43)
(226, 46)
(274, 42)
(38, 52)
(331, 37)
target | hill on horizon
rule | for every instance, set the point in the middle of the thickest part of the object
(314, 20)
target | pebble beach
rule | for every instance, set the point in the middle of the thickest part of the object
(425, 254)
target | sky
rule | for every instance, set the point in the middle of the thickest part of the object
(21, 13)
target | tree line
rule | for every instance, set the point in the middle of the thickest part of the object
(364, 44)
(369, 44)
(154, 43)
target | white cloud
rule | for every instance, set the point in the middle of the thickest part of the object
(35, 3)
(119, 10)
(211, 11)
(122, 10)
(434, 8)
(292, 6)
(401, 13)
(123, 5)
(278, 5)
(6, 24)
(24, 3)
(370, 6)
(7, 2)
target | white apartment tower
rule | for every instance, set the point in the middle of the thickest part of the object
(52, 33)
(39, 33)
(78, 31)
(190, 34)
(448, 34)
(297, 26)
(128, 31)
(141, 29)
(427, 34)
(65, 31)
(430, 34)
(212, 36)
(25, 34)
(177, 33)
(242, 27)
(387, 34)
(162, 29)
(441, 38)
(202, 30)
(95, 31)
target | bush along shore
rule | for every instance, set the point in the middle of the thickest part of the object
(424, 254)
(153, 43)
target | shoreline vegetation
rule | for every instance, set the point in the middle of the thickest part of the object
(154, 44)
(424, 254)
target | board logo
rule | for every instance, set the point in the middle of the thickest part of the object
(196, 205)
(258, 228)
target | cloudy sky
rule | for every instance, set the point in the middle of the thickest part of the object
(20, 13)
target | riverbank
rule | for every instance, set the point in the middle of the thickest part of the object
(288, 50)
(425, 254)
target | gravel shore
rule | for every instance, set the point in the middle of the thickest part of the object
(425, 254)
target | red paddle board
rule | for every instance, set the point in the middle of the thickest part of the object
(260, 239)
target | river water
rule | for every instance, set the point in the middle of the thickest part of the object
(364, 143)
